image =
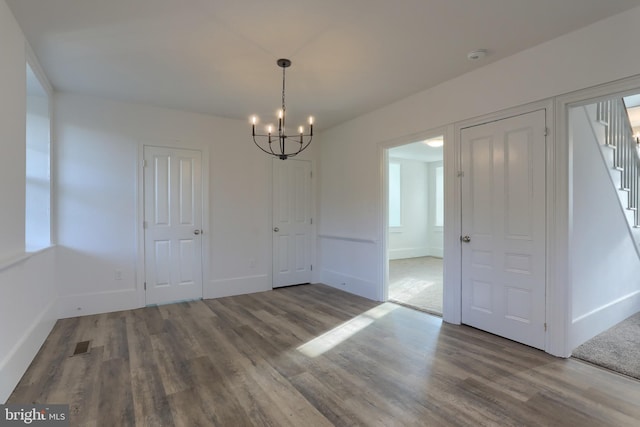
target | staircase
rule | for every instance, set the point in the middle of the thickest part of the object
(619, 148)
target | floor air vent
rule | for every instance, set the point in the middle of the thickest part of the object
(81, 348)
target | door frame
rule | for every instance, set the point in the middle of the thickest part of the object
(139, 226)
(383, 155)
(562, 344)
(554, 303)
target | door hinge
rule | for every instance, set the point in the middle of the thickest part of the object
(144, 225)
(460, 174)
(311, 220)
(546, 131)
(311, 174)
(145, 286)
(545, 326)
(311, 267)
(144, 163)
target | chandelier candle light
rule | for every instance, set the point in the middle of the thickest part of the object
(296, 143)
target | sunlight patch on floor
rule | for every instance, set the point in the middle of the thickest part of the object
(325, 342)
(409, 287)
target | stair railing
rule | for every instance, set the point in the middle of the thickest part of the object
(619, 136)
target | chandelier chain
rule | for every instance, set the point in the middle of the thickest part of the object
(283, 106)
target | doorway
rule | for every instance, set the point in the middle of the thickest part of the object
(416, 224)
(172, 224)
(603, 136)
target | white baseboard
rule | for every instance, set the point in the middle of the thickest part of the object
(436, 252)
(237, 286)
(351, 284)
(96, 303)
(402, 253)
(405, 253)
(591, 324)
(15, 364)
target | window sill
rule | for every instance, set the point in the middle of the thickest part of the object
(13, 261)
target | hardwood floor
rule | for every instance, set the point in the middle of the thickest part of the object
(311, 356)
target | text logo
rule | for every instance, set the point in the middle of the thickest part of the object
(34, 415)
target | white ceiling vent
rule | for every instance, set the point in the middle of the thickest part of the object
(477, 54)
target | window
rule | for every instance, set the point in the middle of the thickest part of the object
(395, 198)
(38, 166)
(439, 217)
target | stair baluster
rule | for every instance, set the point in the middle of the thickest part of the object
(619, 135)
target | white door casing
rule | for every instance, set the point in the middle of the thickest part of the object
(173, 224)
(291, 222)
(503, 215)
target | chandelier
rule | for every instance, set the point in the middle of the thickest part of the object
(282, 145)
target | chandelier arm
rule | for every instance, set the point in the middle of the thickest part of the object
(270, 151)
(283, 154)
(307, 144)
(273, 153)
(260, 147)
(303, 147)
(271, 146)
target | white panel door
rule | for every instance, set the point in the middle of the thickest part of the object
(503, 227)
(173, 224)
(291, 222)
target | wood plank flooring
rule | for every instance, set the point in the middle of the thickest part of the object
(311, 356)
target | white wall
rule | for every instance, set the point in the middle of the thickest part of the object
(27, 293)
(411, 239)
(98, 162)
(605, 265)
(13, 104)
(27, 314)
(350, 187)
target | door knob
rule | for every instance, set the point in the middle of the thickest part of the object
(465, 239)
(276, 229)
(196, 232)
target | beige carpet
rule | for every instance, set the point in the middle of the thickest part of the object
(417, 282)
(617, 348)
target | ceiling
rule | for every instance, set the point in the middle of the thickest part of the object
(219, 57)
(419, 151)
